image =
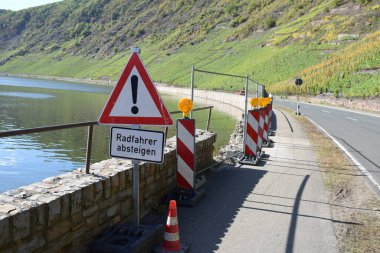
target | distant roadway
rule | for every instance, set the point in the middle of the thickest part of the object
(358, 133)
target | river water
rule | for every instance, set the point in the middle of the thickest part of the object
(28, 103)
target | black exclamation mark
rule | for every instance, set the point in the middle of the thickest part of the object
(134, 82)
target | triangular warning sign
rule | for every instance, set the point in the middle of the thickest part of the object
(135, 99)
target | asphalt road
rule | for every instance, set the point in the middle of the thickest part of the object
(358, 133)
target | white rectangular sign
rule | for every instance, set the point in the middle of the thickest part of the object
(137, 144)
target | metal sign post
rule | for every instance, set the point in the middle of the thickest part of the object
(298, 82)
(136, 188)
(136, 195)
(135, 101)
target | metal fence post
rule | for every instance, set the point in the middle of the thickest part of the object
(257, 90)
(245, 111)
(208, 119)
(192, 89)
(89, 147)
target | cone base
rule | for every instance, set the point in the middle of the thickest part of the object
(184, 248)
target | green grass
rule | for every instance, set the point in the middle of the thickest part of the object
(297, 46)
(247, 57)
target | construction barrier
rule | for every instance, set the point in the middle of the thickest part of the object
(186, 195)
(185, 153)
(251, 146)
(261, 129)
(266, 129)
(253, 136)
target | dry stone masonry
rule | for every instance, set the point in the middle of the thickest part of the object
(64, 213)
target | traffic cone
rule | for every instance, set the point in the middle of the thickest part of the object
(171, 237)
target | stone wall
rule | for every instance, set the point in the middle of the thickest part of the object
(64, 213)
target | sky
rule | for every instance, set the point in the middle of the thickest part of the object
(15, 5)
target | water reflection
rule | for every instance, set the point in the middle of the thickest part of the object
(27, 103)
(26, 95)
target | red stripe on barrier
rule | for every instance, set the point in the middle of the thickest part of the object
(266, 124)
(186, 179)
(186, 155)
(250, 133)
(189, 125)
(182, 182)
(260, 134)
(248, 151)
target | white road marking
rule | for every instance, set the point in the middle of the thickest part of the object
(351, 119)
(356, 162)
(337, 108)
(325, 111)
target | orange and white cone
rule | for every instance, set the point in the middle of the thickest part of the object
(171, 237)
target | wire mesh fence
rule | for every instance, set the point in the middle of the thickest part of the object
(229, 94)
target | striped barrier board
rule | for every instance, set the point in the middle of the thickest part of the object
(185, 153)
(261, 128)
(252, 133)
(266, 124)
(270, 117)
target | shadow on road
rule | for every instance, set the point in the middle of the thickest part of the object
(295, 213)
(286, 117)
(204, 225)
(358, 152)
(274, 121)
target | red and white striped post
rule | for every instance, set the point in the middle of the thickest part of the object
(251, 145)
(253, 135)
(261, 129)
(186, 194)
(185, 153)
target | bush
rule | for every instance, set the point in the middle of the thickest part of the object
(270, 22)
(337, 3)
(362, 1)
